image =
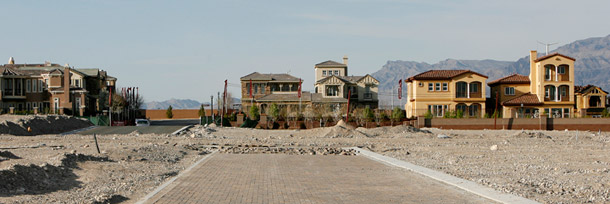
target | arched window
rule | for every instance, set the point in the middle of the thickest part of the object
(474, 110)
(564, 93)
(475, 90)
(463, 108)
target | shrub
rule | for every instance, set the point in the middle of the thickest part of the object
(428, 115)
(368, 114)
(254, 113)
(605, 113)
(169, 113)
(460, 114)
(274, 112)
(397, 114)
(201, 111)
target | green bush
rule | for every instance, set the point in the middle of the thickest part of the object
(398, 114)
(429, 115)
(201, 111)
(368, 114)
(169, 113)
(460, 113)
(274, 112)
(605, 113)
(254, 113)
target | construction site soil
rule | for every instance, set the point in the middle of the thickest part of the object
(546, 166)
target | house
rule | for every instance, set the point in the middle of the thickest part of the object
(548, 90)
(330, 89)
(590, 101)
(441, 91)
(48, 88)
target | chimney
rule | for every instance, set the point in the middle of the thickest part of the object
(345, 59)
(533, 56)
(11, 60)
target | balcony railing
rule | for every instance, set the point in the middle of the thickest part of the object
(465, 95)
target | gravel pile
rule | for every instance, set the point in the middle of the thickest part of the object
(156, 153)
(40, 124)
(525, 134)
(287, 150)
(342, 130)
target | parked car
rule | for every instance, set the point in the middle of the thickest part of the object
(142, 122)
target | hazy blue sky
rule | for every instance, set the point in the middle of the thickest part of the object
(185, 49)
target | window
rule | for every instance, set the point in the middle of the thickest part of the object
(595, 91)
(547, 75)
(563, 90)
(56, 105)
(34, 83)
(40, 86)
(263, 88)
(332, 90)
(28, 106)
(337, 72)
(549, 92)
(566, 113)
(445, 88)
(461, 89)
(40, 108)
(561, 69)
(509, 91)
(77, 83)
(324, 73)
(421, 84)
(27, 86)
(473, 111)
(474, 88)
(248, 89)
(430, 87)
(437, 87)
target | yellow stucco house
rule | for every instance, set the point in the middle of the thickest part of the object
(439, 91)
(549, 89)
(590, 101)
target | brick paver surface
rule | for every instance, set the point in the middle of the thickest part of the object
(277, 178)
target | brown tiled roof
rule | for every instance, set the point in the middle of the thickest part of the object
(330, 63)
(269, 77)
(553, 55)
(512, 79)
(279, 97)
(585, 89)
(525, 99)
(440, 74)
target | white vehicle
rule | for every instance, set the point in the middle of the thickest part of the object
(142, 122)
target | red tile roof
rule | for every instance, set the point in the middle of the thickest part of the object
(512, 79)
(553, 55)
(440, 74)
(525, 99)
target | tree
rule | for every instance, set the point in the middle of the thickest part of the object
(169, 112)
(201, 111)
(254, 113)
(397, 114)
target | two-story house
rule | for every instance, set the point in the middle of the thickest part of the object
(590, 101)
(50, 87)
(332, 87)
(333, 84)
(440, 91)
(548, 90)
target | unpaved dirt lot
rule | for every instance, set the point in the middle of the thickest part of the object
(549, 166)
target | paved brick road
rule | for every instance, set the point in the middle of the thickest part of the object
(266, 178)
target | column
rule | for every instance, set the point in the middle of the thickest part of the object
(556, 73)
(468, 90)
(556, 93)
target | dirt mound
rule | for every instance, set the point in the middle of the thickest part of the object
(8, 155)
(40, 179)
(339, 131)
(395, 131)
(156, 153)
(524, 134)
(40, 125)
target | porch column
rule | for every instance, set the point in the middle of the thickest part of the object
(556, 73)
(556, 93)
(468, 90)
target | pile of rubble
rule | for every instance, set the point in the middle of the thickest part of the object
(40, 124)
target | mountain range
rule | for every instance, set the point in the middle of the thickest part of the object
(178, 104)
(592, 66)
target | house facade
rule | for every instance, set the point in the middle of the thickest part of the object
(50, 88)
(549, 91)
(590, 101)
(441, 91)
(331, 89)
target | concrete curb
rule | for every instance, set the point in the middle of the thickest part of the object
(167, 183)
(466, 185)
(79, 130)
(181, 129)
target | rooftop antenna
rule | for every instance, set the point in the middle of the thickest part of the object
(547, 46)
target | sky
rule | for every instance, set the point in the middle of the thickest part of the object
(186, 49)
